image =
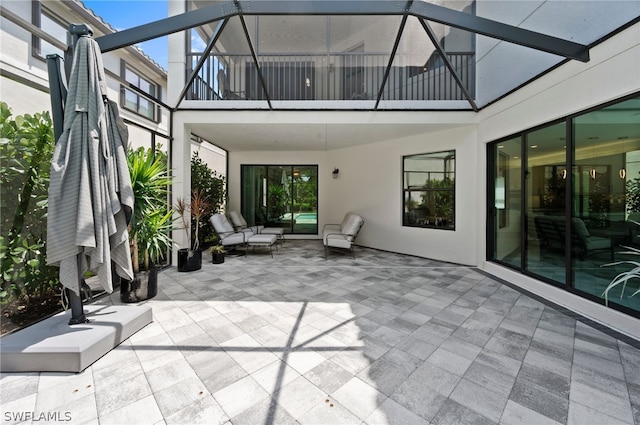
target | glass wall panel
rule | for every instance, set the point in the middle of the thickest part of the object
(545, 202)
(508, 201)
(605, 199)
(281, 196)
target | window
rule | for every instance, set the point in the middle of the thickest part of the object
(53, 26)
(135, 102)
(281, 196)
(429, 190)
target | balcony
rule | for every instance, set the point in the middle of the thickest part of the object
(351, 76)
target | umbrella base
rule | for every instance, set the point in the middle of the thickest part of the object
(53, 346)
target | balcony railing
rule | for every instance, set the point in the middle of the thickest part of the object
(343, 76)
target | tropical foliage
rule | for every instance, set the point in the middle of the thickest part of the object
(151, 220)
(26, 149)
(210, 187)
(622, 280)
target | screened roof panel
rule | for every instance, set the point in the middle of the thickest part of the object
(584, 21)
(345, 55)
(291, 34)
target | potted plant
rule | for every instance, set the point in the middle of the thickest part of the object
(190, 259)
(151, 222)
(217, 254)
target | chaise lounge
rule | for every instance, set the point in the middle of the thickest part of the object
(231, 237)
(240, 224)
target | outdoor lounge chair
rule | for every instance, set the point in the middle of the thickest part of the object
(229, 237)
(240, 224)
(551, 231)
(341, 236)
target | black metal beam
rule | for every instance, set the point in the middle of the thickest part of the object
(391, 58)
(447, 62)
(212, 41)
(499, 30)
(166, 26)
(419, 8)
(253, 55)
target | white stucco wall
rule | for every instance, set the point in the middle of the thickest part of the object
(370, 184)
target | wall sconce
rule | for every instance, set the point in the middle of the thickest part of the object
(592, 173)
(335, 172)
(564, 174)
(622, 173)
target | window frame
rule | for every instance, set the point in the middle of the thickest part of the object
(37, 10)
(406, 189)
(157, 115)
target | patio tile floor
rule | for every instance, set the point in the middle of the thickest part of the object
(383, 339)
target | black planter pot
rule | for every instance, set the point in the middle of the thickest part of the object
(217, 257)
(143, 286)
(188, 263)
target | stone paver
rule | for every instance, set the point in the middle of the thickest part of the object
(383, 339)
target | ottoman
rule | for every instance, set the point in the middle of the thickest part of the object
(262, 240)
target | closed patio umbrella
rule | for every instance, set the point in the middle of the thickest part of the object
(90, 194)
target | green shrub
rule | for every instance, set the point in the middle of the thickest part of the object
(211, 185)
(26, 149)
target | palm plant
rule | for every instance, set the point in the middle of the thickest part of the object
(153, 237)
(151, 219)
(624, 277)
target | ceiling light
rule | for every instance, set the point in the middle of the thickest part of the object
(534, 146)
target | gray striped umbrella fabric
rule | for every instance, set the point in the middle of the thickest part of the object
(90, 194)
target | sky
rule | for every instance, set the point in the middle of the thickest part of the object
(125, 14)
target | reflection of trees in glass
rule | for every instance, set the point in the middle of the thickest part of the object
(438, 200)
(277, 200)
(554, 192)
(633, 195)
(305, 199)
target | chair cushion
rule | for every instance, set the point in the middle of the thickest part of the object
(338, 241)
(345, 220)
(278, 231)
(580, 229)
(262, 239)
(351, 226)
(237, 219)
(221, 224)
(595, 242)
(233, 239)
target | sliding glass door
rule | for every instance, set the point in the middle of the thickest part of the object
(578, 182)
(281, 196)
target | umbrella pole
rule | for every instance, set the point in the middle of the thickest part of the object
(75, 301)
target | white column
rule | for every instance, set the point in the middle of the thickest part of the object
(181, 137)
